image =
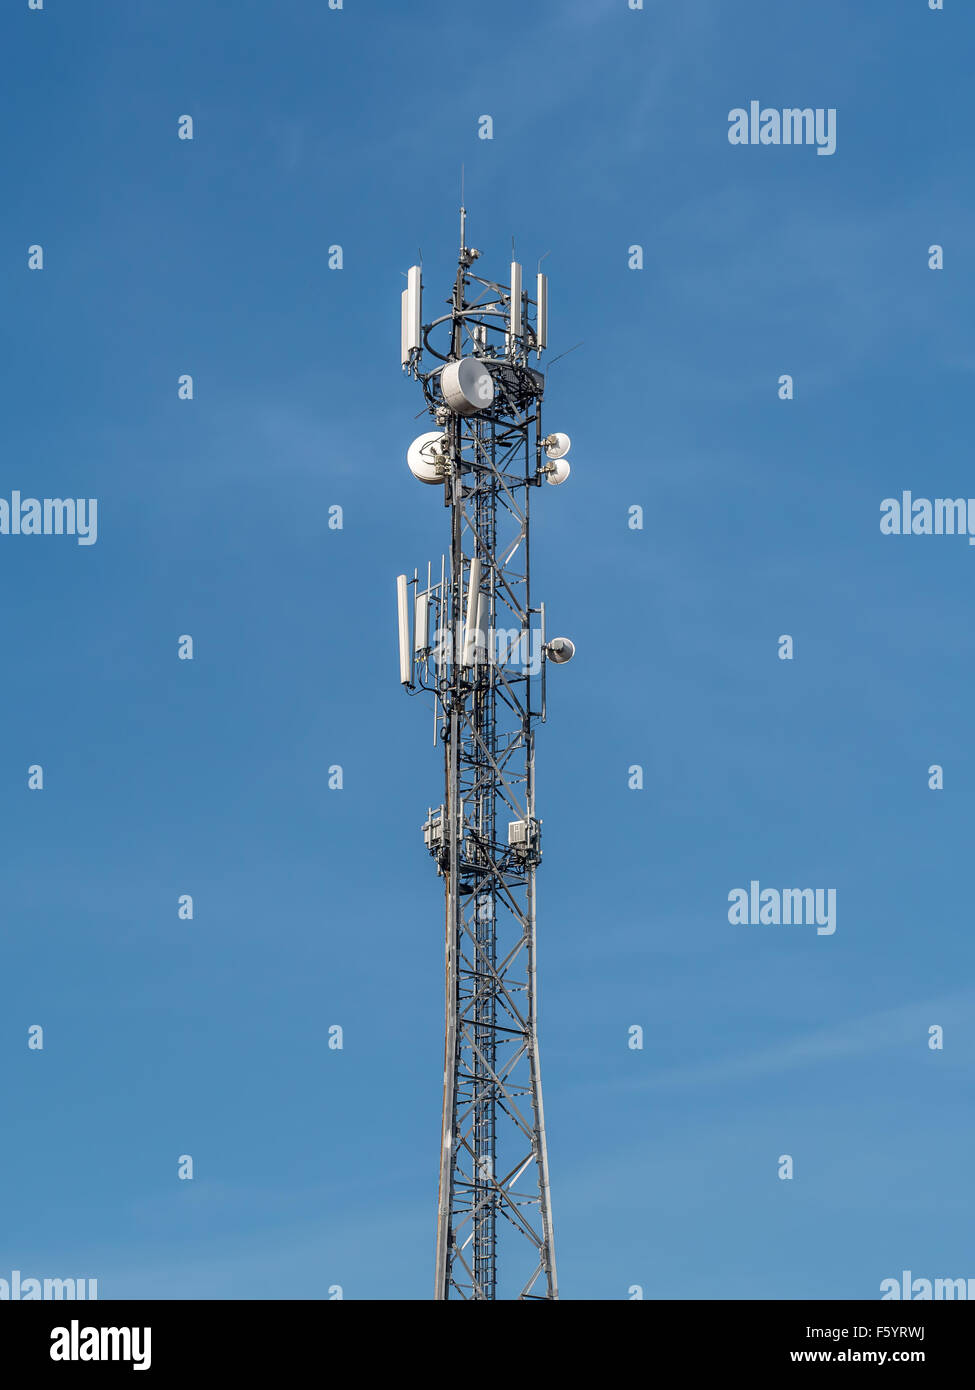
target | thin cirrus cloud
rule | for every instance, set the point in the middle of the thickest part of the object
(886, 1031)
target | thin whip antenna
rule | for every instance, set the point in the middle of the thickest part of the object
(463, 211)
(564, 354)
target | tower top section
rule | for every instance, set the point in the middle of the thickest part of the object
(476, 358)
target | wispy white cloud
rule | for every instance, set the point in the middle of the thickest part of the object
(885, 1031)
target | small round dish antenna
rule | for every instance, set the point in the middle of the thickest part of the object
(560, 650)
(557, 445)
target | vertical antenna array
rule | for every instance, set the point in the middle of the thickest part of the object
(473, 640)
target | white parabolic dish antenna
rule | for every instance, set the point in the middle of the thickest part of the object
(558, 471)
(467, 386)
(422, 454)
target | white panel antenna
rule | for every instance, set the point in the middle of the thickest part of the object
(421, 623)
(405, 655)
(470, 627)
(515, 328)
(541, 322)
(411, 315)
(482, 652)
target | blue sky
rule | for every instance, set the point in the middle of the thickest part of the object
(316, 1168)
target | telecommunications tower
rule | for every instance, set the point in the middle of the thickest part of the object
(470, 637)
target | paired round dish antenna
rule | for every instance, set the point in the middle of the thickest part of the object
(556, 447)
(427, 457)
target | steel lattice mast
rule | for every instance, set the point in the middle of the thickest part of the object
(472, 638)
